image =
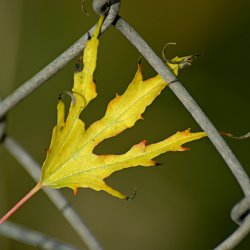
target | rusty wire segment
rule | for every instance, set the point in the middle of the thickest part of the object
(112, 7)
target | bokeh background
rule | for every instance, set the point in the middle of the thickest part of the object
(185, 203)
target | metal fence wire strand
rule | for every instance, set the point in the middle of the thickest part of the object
(33, 168)
(56, 65)
(110, 8)
(32, 238)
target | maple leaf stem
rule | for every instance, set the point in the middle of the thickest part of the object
(21, 202)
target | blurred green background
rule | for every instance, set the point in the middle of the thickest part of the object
(185, 203)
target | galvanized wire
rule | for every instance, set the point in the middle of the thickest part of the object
(33, 168)
(55, 66)
(236, 237)
(33, 238)
(102, 6)
(188, 101)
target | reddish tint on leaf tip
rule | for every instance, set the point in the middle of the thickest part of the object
(75, 191)
(184, 149)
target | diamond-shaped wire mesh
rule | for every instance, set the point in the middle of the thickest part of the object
(32, 167)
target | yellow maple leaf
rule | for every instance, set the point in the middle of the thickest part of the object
(70, 161)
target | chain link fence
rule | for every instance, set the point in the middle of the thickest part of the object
(240, 213)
